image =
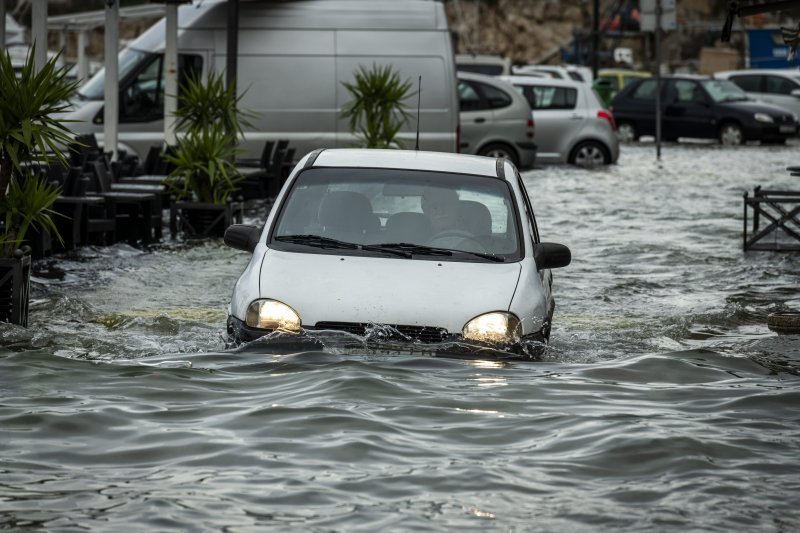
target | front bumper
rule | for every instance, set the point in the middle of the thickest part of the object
(760, 131)
(527, 154)
(419, 339)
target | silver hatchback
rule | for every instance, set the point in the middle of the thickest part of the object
(572, 125)
(495, 120)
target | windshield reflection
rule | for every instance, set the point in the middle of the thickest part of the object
(94, 89)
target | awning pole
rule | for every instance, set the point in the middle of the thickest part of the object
(38, 31)
(83, 59)
(111, 109)
(232, 51)
(170, 73)
(3, 25)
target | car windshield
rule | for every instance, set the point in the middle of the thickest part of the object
(724, 91)
(94, 89)
(399, 213)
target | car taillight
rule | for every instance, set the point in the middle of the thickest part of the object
(529, 133)
(458, 139)
(607, 116)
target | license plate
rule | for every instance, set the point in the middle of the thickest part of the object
(787, 129)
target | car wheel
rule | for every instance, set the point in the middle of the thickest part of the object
(590, 154)
(626, 132)
(730, 134)
(500, 150)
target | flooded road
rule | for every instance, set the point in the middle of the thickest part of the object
(663, 403)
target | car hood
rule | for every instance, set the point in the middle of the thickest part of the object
(752, 106)
(386, 290)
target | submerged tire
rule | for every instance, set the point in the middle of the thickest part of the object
(626, 132)
(590, 154)
(500, 150)
(731, 134)
(784, 323)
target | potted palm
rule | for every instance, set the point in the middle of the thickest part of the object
(30, 135)
(376, 112)
(205, 179)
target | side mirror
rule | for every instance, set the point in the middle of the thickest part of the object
(795, 93)
(242, 237)
(551, 255)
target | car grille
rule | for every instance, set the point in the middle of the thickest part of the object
(786, 119)
(426, 334)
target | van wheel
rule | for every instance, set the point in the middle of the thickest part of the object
(500, 150)
(626, 132)
(730, 134)
(590, 154)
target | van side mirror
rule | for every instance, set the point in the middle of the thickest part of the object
(551, 255)
(242, 237)
(795, 93)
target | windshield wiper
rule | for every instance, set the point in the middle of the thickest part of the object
(317, 241)
(421, 249)
(410, 248)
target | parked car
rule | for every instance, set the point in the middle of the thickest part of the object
(701, 108)
(431, 247)
(490, 65)
(618, 78)
(572, 125)
(495, 120)
(778, 87)
(313, 46)
(562, 72)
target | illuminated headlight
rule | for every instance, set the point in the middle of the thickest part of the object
(763, 117)
(272, 314)
(493, 327)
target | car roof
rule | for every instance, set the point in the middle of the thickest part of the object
(624, 72)
(793, 72)
(408, 160)
(481, 77)
(533, 80)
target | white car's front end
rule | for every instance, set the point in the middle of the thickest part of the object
(447, 287)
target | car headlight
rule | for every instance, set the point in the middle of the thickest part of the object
(493, 327)
(272, 314)
(762, 117)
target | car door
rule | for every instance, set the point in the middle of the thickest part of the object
(778, 91)
(475, 115)
(637, 106)
(558, 118)
(688, 111)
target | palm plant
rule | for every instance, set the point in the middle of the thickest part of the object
(209, 112)
(30, 133)
(204, 103)
(204, 165)
(376, 111)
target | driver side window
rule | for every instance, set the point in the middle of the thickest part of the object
(143, 99)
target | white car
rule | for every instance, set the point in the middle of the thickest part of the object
(778, 87)
(436, 247)
(572, 124)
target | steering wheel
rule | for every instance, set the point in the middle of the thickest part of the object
(455, 239)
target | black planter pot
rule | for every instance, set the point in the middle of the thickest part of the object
(15, 284)
(197, 219)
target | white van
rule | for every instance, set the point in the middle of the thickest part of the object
(293, 58)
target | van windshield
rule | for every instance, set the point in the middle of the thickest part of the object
(472, 216)
(94, 89)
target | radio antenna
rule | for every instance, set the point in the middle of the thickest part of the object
(419, 99)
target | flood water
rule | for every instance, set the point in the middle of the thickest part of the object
(663, 402)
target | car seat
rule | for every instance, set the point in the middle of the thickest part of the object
(348, 216)
(475, 218)
(407, 227)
